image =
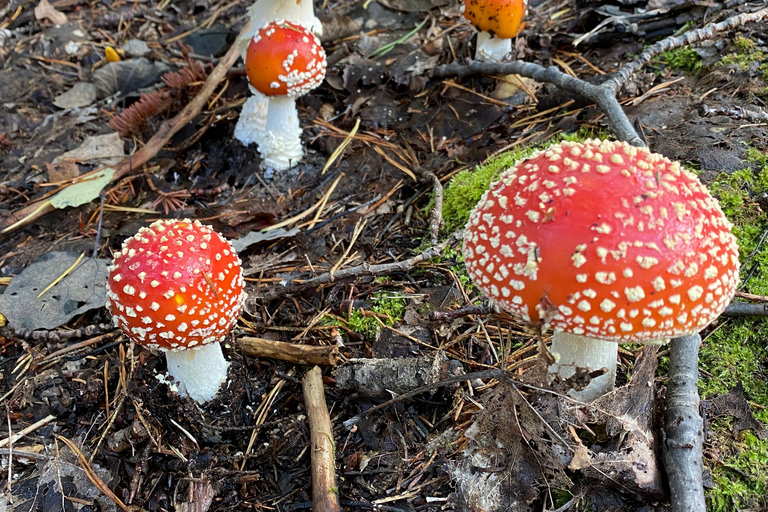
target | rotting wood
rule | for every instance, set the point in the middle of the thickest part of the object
(290, 352)
(325, 494)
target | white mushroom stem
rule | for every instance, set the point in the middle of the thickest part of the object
(280, 142)
(571, 351)
(252, 122)
(491, 49)
(199, 372)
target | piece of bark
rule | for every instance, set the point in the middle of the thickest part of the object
(684, 428)
(291, 352)
(325, 494)
(381, 377)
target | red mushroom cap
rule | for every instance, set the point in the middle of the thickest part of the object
(175, 285)
(605, 240)
(500, 18)
(285, 59)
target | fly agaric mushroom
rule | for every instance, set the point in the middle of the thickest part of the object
(498, 21)
(604, 242)
(177, 286)
(284, 61)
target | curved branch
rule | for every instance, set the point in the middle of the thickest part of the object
(602, 95)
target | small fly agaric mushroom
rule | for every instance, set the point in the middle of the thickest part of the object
(284, 61)
(604, 242)
(177, 286)
(498, 21)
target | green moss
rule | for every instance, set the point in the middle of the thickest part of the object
(386, 308)
(466, 188)
(683, 59)
(741, 479)
(745, 56)
(736, 351)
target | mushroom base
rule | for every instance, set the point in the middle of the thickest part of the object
(571, 351)
(491, 49)
(200, 372)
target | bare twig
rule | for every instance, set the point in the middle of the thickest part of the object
(21, 433)
(325, 494)
(738, 308)
(365, 269)
(684, 428)
(686, 39)
(291, 352)
(738, 113)
(603, 95)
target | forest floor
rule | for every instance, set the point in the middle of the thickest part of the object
(482, 444)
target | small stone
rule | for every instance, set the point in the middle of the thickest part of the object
(136, 48)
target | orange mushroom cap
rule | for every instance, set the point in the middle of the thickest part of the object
(500, 18)
(605, 240)
(174, 285)
(285, 59)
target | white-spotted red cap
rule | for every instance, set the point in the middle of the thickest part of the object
(285, 59)
(605, 240)
(176, 284)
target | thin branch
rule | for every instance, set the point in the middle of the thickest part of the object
(325, 493)
(684, 428)
(691, 37)
(603, 96)
(366, 269)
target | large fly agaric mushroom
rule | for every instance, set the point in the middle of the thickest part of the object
(283, 61)
(604, 242)
(177, 286)
(498, 21)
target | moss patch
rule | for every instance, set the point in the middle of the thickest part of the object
(387, 308)
(684, 59)
(737, 352)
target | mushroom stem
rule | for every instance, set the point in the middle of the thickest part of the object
(571, 350)
(280, 142)
(252, 122)
(199, 372)
(490, 48)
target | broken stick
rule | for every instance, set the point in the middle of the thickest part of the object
(291, 352)
(325, 494)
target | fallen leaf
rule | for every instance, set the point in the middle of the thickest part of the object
(62, 172)
(83, 289)
(733, 403)
(84, 191)
(254, 237)
(104, 149)
(81, 94)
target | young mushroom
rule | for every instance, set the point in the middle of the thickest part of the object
(283, 61)
(177, 286)
(498, 22)
(604, 242)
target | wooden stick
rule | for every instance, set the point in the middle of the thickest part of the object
(684, 427)
(291, 352)
(167, 130)
(21, 433)
(325, 494)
